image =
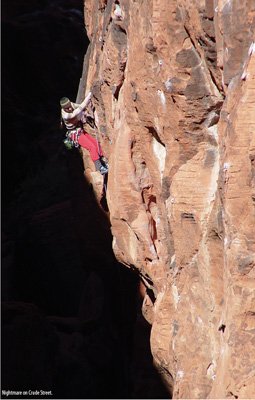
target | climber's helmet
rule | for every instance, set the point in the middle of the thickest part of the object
(65, 103)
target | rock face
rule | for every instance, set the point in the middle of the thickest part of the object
(173, 87)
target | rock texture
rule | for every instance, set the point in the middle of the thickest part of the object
(174, 93)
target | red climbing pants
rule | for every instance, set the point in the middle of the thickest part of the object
(91, 144)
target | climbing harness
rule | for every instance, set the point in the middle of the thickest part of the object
(71, 139)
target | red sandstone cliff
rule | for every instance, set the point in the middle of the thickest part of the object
(174, 91)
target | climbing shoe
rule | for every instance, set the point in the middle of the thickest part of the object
(103, 170)
(104, 161)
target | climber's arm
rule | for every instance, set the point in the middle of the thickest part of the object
(81, 106)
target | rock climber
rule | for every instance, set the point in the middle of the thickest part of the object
(74, 116)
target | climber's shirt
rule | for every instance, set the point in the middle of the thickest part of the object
(76, 116)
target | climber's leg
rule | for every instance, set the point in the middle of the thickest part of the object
(100, 167)
(90, 144)
(96, 143)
